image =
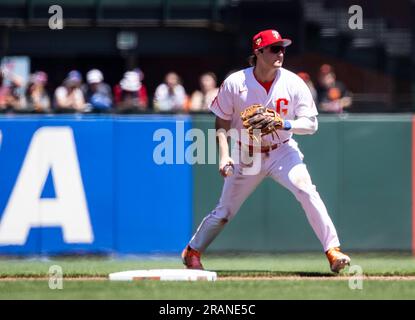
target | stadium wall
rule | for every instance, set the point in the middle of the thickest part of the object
(88, 184)
(361, 165)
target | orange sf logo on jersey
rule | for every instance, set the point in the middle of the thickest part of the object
(279, 106)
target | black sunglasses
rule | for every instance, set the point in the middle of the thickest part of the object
(277, 49)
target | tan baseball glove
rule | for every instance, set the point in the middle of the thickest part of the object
(264, 120)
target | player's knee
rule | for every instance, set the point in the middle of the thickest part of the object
(303, 185)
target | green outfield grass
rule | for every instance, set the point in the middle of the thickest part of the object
(15, 284)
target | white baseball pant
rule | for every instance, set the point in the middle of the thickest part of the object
(285, 165)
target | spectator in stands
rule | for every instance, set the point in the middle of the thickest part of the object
(130, 95)
(97, 93)
(16, 97)
(127, 94)
(11, 96)
(4, 92)
(306, 78)
(69, 97)
(142, 92)
(201, 99)
(332, 94)
(36, 98)
(170, 95)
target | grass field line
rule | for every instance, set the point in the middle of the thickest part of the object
(226, 278)
(321, 278)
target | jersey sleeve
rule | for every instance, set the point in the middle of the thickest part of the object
(305, 106)
(222, 106)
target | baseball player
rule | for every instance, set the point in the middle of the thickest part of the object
(267, 83)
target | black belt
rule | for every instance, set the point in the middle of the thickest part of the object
(264, 149)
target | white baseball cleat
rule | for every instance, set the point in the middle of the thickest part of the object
(337, 259)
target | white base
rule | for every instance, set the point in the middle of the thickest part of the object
(164, 275)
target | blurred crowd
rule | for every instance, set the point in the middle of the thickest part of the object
(330, 94)
(130, 95)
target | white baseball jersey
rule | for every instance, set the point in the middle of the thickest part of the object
(288, 95)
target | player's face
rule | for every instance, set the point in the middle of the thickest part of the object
(274, 55)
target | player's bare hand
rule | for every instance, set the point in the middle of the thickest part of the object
(226, 167)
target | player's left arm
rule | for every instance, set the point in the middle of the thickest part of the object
(305, 111)
(302, 125)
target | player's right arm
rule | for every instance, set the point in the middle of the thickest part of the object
(222, 128)
(222, 107)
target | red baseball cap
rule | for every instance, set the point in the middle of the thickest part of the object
(267, 37)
